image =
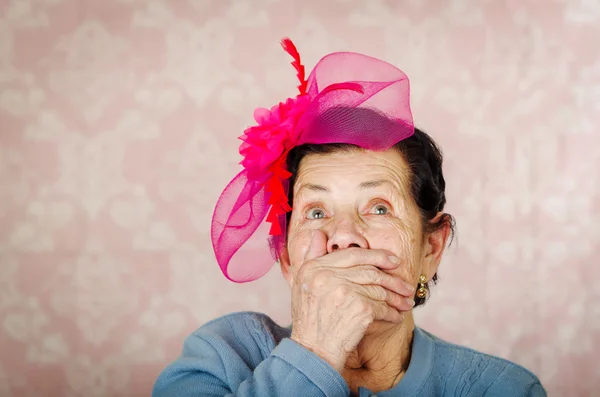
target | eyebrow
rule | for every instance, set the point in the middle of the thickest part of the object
(313, 187)
(372, 184)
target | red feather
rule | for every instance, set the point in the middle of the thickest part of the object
(290, 48)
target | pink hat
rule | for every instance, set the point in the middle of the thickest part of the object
(245, 245)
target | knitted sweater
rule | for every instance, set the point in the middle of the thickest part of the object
(247, 354)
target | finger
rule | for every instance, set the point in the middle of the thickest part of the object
(368, 274)
(378, 293)
(317, 247)
(382, 312)
(350, 257)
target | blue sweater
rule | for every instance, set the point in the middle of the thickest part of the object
(247, 354)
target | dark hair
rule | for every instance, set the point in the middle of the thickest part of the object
(424, 158)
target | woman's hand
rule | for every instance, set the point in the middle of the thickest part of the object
(335, 297)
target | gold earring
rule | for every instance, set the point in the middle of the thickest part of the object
(423, 288)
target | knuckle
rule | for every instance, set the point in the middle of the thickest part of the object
(395, 299)
(376, 292)
(383, 293)
(374, 275)
(365, 319)
(367, 290)
(363, 306)
(382, 257)
(320, 278)
(376, 310)
(384, 309)
(342, 291)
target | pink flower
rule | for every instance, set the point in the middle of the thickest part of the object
(266, 142)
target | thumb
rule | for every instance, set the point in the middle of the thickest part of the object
(317, 247)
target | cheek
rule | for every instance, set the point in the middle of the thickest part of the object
(298, 243)
(402, 241)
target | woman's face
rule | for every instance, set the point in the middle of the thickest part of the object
(358, 198)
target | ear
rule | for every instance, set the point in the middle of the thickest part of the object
(284, 263)
(435, 244)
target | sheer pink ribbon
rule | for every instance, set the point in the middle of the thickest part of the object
(245, 245)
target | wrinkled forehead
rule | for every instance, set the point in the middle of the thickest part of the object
(353, 167)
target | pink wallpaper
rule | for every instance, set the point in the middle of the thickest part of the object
(118, 126)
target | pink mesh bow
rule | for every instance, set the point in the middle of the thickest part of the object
(245, 245)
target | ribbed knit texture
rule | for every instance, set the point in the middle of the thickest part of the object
(247, 354)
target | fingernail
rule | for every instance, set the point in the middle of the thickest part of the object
(410, 302)
(394, 259)
(410, 287)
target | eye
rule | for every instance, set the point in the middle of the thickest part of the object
(380, 209)
(315, 213)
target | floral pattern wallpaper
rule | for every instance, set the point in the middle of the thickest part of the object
(118, 130)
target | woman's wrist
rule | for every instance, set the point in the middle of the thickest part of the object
(336, 363)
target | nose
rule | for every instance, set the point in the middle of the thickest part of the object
(345, 235)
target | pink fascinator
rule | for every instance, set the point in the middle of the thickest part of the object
(249, 222)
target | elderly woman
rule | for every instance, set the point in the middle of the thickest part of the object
(363, 241)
